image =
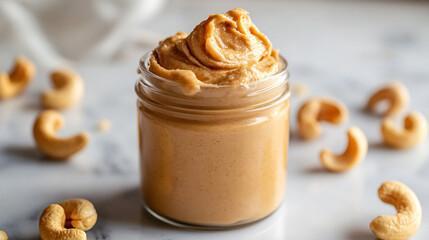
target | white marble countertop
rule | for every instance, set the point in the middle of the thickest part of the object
(344, 49)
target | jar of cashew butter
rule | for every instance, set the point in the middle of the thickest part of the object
(213, 118)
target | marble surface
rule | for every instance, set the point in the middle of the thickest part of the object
(344, 49)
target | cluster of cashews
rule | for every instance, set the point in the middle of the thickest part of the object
(415, 124)
(67, 220)
(68, 86)
(319, 109)
(17, 81)
(332, 111)
(407, 221)
(68, 90)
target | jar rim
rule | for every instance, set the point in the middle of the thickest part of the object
(166, 95)
(144, 68)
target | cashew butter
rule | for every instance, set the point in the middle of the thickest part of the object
(225, 49)
(213, 117)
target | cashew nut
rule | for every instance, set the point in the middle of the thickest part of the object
(44, 131)
(80, 213)
(77, 213)
(395, 93)
(3, 235)
(68, 90)
(406, 222)
(319, 109)
(51, 225)
(20, 76)
(354, 154)
(415, 130)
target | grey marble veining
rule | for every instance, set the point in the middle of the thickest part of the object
(341, 49)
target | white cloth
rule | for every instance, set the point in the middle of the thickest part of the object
(58, 32)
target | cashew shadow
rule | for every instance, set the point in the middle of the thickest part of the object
(316, 170)
(32, 107)
(28, 238)
(26, 153)
(361, 234)
(295, 137)
(376, 114)
(378, 145)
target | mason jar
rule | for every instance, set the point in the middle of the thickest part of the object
(215, 159)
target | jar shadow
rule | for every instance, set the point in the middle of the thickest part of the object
(125, 210)
(126, 207)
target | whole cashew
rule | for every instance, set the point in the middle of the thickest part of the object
(415, 130)
(44, 130)
(68, 90)
(397, 95)
(51, 225)
(355, 152)
(20, 76)
(319, 109)
(3, 235)
(80, 213)
(406, 222)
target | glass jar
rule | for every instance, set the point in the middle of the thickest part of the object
(215, 159)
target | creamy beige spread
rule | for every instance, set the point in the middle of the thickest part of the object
(222, 173)
(219, 165)
(225, 49)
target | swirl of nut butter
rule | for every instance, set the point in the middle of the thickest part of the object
(225, 49)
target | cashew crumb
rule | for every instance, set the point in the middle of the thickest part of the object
(300, 90)
(104, 125)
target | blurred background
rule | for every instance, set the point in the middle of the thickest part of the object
(307, 32)
(343, 49)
